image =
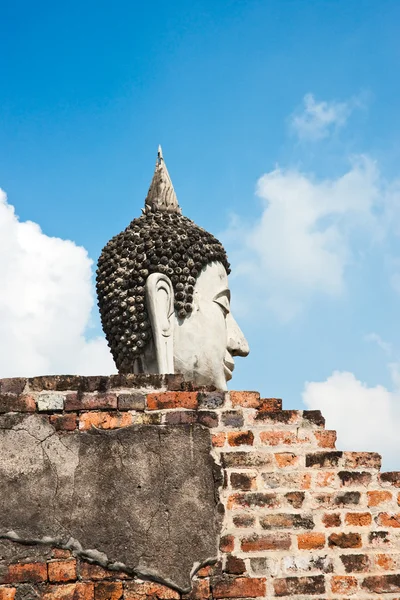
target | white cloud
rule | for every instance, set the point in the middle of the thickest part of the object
(366, 418)
(303, 240)
(46, 298)
(317, 120)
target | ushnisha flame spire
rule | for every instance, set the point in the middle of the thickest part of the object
(161, 195)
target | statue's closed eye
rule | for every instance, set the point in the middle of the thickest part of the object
(223, 302)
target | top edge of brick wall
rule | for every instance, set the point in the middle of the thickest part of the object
(98, 383)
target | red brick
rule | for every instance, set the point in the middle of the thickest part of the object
(356, 563)
(325, 439)
(388, 520)
(331, 520)
(227, 543)
(61, 553)
(378, 497)
(292, 586)
(386, 561)
(108, 590)
(286, 459)
(204, 571)
(259, 543)
(245, 399)
(345, 540)
(91, 402)
(270, 404)
(208, 418)
(7, 593)
(70, 591)
(295, 499)
(14, 403)
(311, 541)
(240, 587)
(104, 420)
(358, 519)
(134, 589)
(67, 422)
(164, 400)
(382, 584)
(240, 438)
(62, 571)
(26, 573)
(325, 478)
(342, 584)
(243, 481)
(243, 520)
(368, 460)
(218, 439)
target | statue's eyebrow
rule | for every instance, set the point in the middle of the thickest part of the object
(226, 292)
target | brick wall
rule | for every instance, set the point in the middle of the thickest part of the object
(301, 519)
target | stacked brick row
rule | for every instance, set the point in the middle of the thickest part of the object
(301, 519)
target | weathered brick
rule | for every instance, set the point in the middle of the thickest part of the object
(391, 478)
(232, 418)
(270, 404)
(200, 589)
(211, 400)
(293, 586)
(62, 571)
(243, 481)
(388, 520)
(239, 587)
(146, 418)
(343, 584)
(259, 543)
(14, 403)
(95, 401)
(311, 541)
(325, 439)
(227, 543)
(368, 460)
(358, 519)
(313, 418)
(286, 459)
(108, 590)
(218, 439)
(148, 589)
(378, 497)
(104, 420)
(349, 478)
(382, 584)
(356, 563)
(278, 438)
(347, 498)
(234, 565)
(66, 422)
(295, 499)
(279, 416)
(132, 401)
(7, 593)
(245, 399)
(387, 562)
(379, 538)
(306, 561)
(289, 480)
(69, 591)
(319, 501)
(180, 417)
(204, 571)
(208, 418)
(26, 573)
(345, 540)
(61, 553)
(331, 520)
(160, 401)
(253, 499)
(238, 460)
(243, 520)
(287, 521)
(98, 573)
(321, 460)
(240, 438)
(13, 385)
(47, 402)
(325, 479)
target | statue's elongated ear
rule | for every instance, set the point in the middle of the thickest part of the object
(160, 306)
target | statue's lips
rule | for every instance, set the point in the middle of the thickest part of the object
(229, 365)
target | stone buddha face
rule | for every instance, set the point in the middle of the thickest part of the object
(163, 295)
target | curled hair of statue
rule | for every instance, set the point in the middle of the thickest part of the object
(160, 241)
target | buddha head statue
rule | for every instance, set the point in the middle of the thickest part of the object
(163, 294)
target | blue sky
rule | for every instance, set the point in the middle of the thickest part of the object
(267, 111)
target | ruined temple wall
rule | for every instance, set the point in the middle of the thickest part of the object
(300, 519)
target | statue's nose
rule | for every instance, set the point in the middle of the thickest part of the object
(237, 343)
